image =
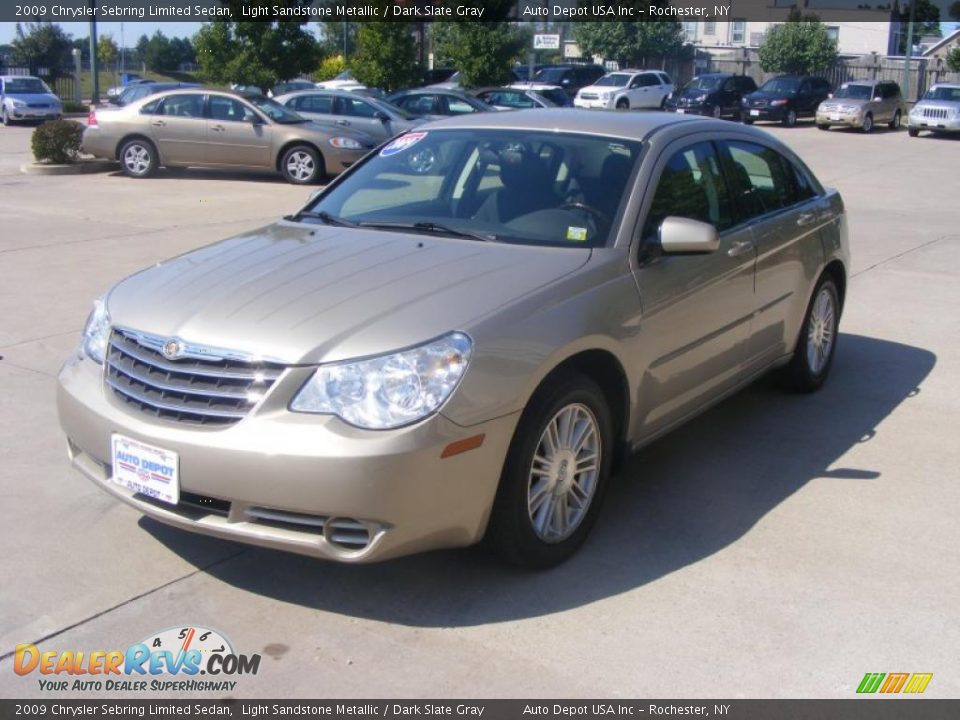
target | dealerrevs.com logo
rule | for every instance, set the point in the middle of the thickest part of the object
(182, 659)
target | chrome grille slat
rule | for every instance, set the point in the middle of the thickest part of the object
(209, 389)
(938, 113)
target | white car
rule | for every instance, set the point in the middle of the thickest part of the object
(626, 89)
(343, 81)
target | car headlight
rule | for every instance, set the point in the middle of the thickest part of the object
(19, 103)
(96, 333)
(606, 95)
(777, 103)
(345, 143)
(390, 390)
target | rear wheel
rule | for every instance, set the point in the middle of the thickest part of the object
(138, 158)
(555, 474)
(895, 123)
(868, 123)
(301, 165)
(817, 343)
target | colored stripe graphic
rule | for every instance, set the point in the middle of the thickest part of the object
(870, 682)
(894, 682)
(918, 683)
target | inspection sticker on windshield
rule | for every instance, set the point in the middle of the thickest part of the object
(577, 234)
(402, 143)
(146, 469)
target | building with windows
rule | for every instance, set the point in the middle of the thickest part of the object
(869, 34)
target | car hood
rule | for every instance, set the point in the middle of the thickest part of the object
(31, 98)
(762, 95)
(603, 88)
(694, 93)
(308, 294)
(855, 102)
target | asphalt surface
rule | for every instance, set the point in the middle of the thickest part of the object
(778, 546)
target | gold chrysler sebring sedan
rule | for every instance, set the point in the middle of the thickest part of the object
(461, 336)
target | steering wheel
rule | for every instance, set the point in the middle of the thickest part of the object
(586, 208)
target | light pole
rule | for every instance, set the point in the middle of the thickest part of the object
(909, 51)
(94, 65)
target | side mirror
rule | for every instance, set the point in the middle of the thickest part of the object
(683, 236)
(877, 98)
(380, 115)
(830, 95)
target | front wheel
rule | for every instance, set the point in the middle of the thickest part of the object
(5, 118)
(746, 120)
(895, 123)
(790, 118)
(554, 476)
(913, 132)
(822, 127)
(817, 343)
(301, 165)
(623, 104)
(868, 123)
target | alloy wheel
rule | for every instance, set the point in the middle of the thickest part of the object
(564, 473)
(300, 166)
(820, 331)
(136, 159)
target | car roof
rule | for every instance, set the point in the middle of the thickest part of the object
(325, 91)
(945, 84)
(18, 77)
(433, 91)
(717, 75)
(628, 126)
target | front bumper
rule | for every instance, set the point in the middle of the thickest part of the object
(597, 104)
(298, 482)
(934, 124)
(764, 113)
(15, 113)
(848, 119)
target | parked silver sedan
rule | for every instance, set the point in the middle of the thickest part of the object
(461, 336)
(344, 108)
(938, 111)
(209, 128)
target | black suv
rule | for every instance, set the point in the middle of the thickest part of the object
(784, 99)
(570, 77)
(714, 94)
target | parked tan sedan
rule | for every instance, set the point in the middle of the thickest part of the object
(208, 128)
(863, 104)
(460, 337)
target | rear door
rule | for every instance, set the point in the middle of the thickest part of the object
(696, 308)
(179, 129)
(779, 203)
(236, 135)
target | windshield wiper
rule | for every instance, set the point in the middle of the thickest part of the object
(431, 227)
(324, 217)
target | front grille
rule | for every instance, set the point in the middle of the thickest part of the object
(757, 103)
(203, 387)
(938, 113)
(588, 96)
(37, 105)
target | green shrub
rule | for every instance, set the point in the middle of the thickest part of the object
(57, 141)
(330, 68)
(74, 107)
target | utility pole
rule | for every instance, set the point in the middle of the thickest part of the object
(909, 51)
(94, 65)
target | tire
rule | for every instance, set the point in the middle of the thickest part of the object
(301, 165)
(138, 158)
(913, 132)
(895, 123)
(716, 112)
(623, 104)
(5, 119)
(663, 103)
(817, 343)
(745, 120)
(532, 534)
(822, 127)
(868, 123)
(790, 118)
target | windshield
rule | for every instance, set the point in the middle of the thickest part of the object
(613, 80)
(550, 76)
(703, 83)
(946, 94)
(275, 111)
(540, 188)
(780, 86)
(391, 109)
(345, 75)
(855, 92)
(25, 86)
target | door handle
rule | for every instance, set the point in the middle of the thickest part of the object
(343, 122)
(217, 128)
(740, 248)
(158, 123)
(806, 218)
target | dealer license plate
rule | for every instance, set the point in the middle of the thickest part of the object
(755, 113)
(146, 469)
(836, 117)
(681, 111)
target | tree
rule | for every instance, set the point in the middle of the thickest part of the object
(799, 46)
(43, 46)
(954, 11)
(255, 53)
(926, 22)
(160, 53)
(386, 55)
(141, 49)
(483, 51)
(107, 50)
(953, 59)
(331, 37)
(629, 43)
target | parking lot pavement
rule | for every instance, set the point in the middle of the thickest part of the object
(778, 546)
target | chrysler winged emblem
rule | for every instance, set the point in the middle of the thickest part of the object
(172, 349)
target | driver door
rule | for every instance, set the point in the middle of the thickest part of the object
(696, 309)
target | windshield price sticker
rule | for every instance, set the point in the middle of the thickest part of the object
(402, 143)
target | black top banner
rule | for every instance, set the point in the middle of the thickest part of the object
(444, 10)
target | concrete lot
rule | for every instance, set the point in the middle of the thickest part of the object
(778, 546)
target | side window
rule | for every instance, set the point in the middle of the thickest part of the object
(228, 109)
(356, 107)
(691, 186)
(665, 79)
(315, 104)
(150, 108)
(188, 106)
(803, 188)
(764, 181)
(455, 106)
(729, 85)
(649, 80)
